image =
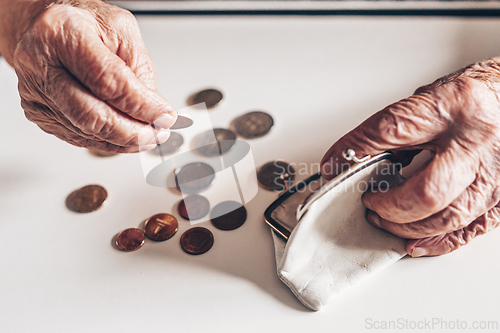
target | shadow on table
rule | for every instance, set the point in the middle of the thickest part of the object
(247, 253)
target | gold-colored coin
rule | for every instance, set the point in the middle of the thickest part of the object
(160, 227)
(174, 142)
(87, 199)
(130, 239)
(211, 97)
(197, 240)
(183, 121)
(254, 124)
(215, 142)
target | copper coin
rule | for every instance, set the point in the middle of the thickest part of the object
(194, 177)
(160, 227)
(228, 215)
(254, 124)
(197, 240)
(216, 142)
(272, 175)
(130, 239)
(87, 199)
(174, 142)
(211, 97)
(102, 153)
(193, 207)
(183, 121)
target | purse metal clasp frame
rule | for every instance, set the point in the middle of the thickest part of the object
(286, 211)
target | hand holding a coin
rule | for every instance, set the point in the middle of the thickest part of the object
(455, 196)
(84, 73)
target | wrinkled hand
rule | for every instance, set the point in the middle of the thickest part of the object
(455, 197)
(86, 77)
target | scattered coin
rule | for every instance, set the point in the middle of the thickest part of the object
(194, 177)
(254, 124)
(228, 215)
(87, 199)
(272, 175)
(197, 240)
(130, 239)
(160, 227)
(183, 121)
(193, 207)
(211, 97)
(174, 142)
(216, 142)
(101, 153)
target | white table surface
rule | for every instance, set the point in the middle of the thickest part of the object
(318, 77)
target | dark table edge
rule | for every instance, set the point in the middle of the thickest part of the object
(344, 12)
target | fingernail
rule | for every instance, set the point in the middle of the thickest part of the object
(419, 252)
(165, 121)
(373, 218)
(160, 137)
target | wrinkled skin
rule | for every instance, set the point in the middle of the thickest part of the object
(85, 76)
(455, 197)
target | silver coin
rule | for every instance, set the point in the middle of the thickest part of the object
(211, 97)
(254, 124)
(215, 142)
(194, 177)
(183, 121)
(174, 142)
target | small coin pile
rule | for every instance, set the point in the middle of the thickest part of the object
(193, 178)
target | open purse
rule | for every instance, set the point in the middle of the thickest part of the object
(324, 246)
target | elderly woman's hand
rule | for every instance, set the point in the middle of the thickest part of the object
(455, 196)
(86, 77)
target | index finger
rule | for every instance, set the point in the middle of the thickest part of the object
(108, 77)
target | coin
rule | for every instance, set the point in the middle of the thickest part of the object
(160, 227)
(272, 175)
(87, 199)
(174, 142)
(215, 142)
(211, 97)
(254, 124)
(194, 177)
(228, 215)
(197, 240)
(183, 121)
(101, 153)
(193, 207)
(130, 239)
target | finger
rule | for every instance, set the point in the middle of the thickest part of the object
(446, 243)
(408, 123)
(126, 42)
(405, 157)
(477, 199)
(428, 191)
(94, 117)
(58, 130)
(110, 79)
